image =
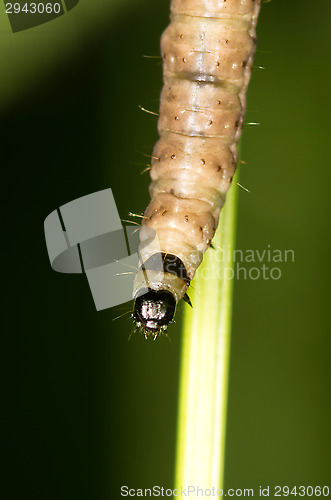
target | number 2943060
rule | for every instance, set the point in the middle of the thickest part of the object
(309, 491)
(33, 8)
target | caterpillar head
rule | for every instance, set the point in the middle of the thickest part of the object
(153, 311)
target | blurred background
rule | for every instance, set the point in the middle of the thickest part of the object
(86, 411)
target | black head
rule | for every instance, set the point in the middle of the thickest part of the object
(153, 311)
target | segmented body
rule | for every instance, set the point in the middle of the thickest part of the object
(207, 53)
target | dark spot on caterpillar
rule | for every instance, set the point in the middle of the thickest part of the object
(210, 122)
(217, 64)
(236, 123)
(226, 41)
(174, 265)
(170, 264)
(172, 191)
(244, 64)
(186, 218)
(181, 36)
(208, 242)
(164, 56)
(176, 117)
(219, 168)
(230, 179)
(218, 102)
(200, 228)
(174, 97)
(184, 60)
(164, 212)
(203, 161)
(173, 157)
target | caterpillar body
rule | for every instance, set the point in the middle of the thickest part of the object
(207, 53)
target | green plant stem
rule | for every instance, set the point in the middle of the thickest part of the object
(205, 361)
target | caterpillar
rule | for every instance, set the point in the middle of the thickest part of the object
(207, 53)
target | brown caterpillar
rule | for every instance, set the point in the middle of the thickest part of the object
(207, 53)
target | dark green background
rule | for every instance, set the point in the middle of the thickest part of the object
(86, 411)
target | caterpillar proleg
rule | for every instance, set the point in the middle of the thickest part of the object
(207, 53)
